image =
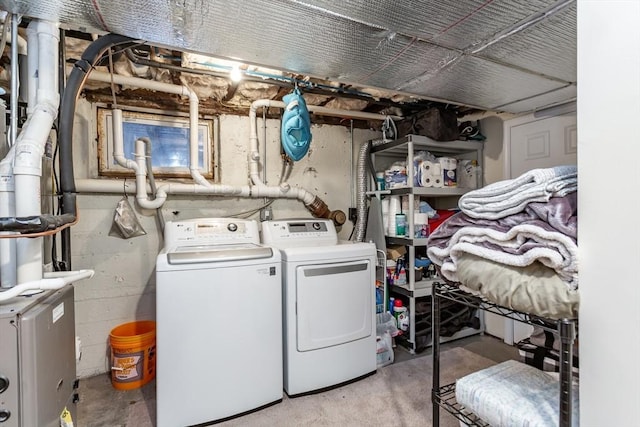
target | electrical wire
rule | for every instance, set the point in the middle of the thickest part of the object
(58, 210)
(248, 213)
(113, 86)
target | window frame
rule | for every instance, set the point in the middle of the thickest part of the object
(108, 168)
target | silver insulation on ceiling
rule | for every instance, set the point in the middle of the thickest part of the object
(507, 55)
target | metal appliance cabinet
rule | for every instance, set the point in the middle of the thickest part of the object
(37, 359)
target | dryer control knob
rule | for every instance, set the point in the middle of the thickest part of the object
(316, 225)
(4, 383)
(232, 227)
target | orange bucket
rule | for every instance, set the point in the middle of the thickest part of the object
(133, 354)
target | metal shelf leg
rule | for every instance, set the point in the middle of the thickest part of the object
(567, 331)
(435, 336)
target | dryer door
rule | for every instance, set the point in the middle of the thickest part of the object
(334, 303)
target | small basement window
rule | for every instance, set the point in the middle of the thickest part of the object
(169, 135)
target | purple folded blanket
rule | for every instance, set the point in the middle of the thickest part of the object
(543, 231)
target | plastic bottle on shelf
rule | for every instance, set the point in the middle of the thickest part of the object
(401, 313)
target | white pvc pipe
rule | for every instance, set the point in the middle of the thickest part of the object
(27, 170)
(165, 188)
(181, 90)
(29, 255)
(51, 281)
(8, 272)
(31, 142)
(15, 80)
(193, 140)
(48, 75)
(100, 76)
(27, 165)
(32, 66)
(202, 186)
(118, 143)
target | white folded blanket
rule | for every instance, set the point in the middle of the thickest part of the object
(519, 246)
(513, 394)
(507, 197)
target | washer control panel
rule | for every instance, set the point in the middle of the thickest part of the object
(299, 232)
(211, 231)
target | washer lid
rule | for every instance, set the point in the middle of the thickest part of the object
(217, 253)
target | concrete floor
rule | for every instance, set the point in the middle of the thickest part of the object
(101, 405)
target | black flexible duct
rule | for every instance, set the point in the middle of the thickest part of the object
(76, 80)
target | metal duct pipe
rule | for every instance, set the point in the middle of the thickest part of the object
(361, 188)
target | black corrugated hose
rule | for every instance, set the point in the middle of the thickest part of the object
(78, 76)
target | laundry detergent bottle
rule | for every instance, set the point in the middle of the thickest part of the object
(401, 313)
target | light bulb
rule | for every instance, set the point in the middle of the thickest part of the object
(235, 74)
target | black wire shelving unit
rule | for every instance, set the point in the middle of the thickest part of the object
(444, 396)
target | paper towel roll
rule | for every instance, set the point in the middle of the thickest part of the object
(385, 214)
(385, 206)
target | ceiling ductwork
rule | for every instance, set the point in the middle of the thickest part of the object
(501, 55)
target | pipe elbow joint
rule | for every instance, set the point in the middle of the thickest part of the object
(338, 217)
(285, 187)
(156, 203)
(319, 209)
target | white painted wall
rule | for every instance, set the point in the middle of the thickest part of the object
(123, 288)
(609, 236)
(493, 129)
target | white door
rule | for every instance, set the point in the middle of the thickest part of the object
(542, 143)
(535, 142)
(333, 303)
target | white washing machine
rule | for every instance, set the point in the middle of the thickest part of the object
(218, 320)
(329, 304)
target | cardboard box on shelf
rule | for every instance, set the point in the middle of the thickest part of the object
(395, 252)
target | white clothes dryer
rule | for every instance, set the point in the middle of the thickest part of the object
(219, 322)
(329, 304)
